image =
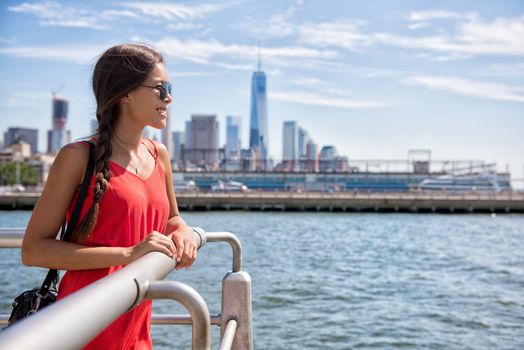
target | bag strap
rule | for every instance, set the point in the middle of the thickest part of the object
(52, 275)
(81, 196)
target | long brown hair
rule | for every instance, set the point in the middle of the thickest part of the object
(118, 71)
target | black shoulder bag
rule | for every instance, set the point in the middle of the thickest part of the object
(35, 299)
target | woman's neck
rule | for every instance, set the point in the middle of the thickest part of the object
(123, 141)
(127, 135)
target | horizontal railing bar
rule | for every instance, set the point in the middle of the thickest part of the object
(17, 232)
(229, 335)
(11, 237)
(180, 319)
(156, 319)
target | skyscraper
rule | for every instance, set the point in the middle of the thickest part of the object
(290, 141)
(178, 138)
(167, 139)
(58, 136)
(290, 146)
(202, 149)
(233, 142)
(303, 139)
(311, 163)
(258, 133)
(15, 135)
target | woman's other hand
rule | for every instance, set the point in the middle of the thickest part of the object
(186, 246)
(154, 242)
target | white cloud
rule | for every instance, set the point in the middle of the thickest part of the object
(310, 82)
(469, 87)
(74, 23)
(276, 26)
(54, 14)
(322, 100)
(207, 52)
(423, 16)
(51, 13)
(170, 12)
(343, 33)
(373, 72)
(111, 14)
(502, 35)
(44, 9)
(77, 54)
(213, 52)
(473, 36)
(419, 25)
(323, 87)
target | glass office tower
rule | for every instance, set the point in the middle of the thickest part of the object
(258, 136)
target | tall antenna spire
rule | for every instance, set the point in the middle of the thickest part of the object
(259, 63)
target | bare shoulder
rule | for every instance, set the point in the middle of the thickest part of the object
(71, 159)
(162, 150)
(62, 182)
(160, 147)
(75, 149)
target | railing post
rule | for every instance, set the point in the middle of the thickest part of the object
(236, 294)
(236, 304)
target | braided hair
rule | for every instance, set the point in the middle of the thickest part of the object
(118, 71)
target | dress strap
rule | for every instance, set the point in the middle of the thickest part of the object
(85, 143)
(155, 154)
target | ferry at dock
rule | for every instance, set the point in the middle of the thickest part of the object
(485, 182)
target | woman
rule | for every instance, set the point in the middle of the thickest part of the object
(131, 207)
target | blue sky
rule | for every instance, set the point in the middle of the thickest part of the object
(374, 78)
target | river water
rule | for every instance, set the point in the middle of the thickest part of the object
(350, 280)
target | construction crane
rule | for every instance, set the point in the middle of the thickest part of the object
(54, 92)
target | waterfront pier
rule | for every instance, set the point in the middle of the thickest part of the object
(511, 202)
(342, 201)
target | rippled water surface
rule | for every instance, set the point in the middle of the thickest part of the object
(351, 281)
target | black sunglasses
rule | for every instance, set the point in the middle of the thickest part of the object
(164, 89)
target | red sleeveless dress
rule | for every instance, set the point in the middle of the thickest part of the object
(130, 209)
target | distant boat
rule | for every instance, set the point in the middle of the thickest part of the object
(485, 182)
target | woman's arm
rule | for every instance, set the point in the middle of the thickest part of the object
(182, 235)
(40, 246)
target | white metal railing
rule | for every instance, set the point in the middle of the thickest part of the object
(98, 304)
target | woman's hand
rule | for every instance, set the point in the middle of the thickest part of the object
(155, 241)
(186, 246)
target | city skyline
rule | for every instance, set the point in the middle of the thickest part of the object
(441, 75)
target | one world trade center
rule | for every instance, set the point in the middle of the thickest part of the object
(258, 136)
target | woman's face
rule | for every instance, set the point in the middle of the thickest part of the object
(143, 104)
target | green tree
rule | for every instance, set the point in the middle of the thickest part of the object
(28, 174)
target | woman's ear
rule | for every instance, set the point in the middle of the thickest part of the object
(125, 99)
